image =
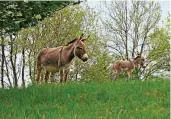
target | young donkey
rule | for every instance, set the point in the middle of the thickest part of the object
(126, 65)
(58, 59)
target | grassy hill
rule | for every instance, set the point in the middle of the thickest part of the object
(90, 100)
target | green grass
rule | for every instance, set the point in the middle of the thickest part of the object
(91, 100)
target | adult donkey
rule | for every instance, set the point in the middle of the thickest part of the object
(126, 65)
(58, 59)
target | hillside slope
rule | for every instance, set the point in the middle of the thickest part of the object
(89, 100)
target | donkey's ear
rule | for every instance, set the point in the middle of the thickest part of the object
(85, 38)
(81, 36)
(138, 54)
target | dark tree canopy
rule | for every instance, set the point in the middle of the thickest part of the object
(15, 15)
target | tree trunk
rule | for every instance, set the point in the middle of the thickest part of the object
(30, 65)
(126, 30)
(23, 66)
(8, 76)
(13, 62)
(34, 66)
(2, 62)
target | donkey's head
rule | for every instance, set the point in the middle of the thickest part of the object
(80, 48)
(140, 60)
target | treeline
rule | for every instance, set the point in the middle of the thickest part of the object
(130, 27)
(13, 17)
(133, 27)
(21, 41)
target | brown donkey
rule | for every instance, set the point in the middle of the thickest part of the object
(126, 65)
(58, 59)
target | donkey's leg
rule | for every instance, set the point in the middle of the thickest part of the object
(112, 76)
(42, 77)
(51, 77)
(117, 71)
(47, 76)
(66, 75)
(61, 71)
(39, 69)
(116, 74)
(129, 74)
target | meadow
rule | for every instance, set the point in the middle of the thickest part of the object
(119, 99)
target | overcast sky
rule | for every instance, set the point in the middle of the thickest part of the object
(165, 7)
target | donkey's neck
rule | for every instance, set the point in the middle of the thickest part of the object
(69, 52)
(135, 62)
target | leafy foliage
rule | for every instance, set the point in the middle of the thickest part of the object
(15, 15)
(57, 30)
(97, 69)
(160, 41)
(159, 51)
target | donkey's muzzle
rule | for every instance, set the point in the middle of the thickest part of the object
(85, 57)
(143, 66)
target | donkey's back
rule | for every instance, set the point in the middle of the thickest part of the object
(123, 65)
(49, 56)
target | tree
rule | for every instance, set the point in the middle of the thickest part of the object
(54, 31)
(128, 26)
(15, 15)
(159, 50)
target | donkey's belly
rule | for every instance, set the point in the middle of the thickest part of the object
(51, 68)
(124, 68)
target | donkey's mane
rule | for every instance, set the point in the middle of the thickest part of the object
(71, 41)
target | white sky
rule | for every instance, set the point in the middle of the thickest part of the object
(165, 7)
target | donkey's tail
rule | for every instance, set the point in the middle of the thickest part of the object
(38, 68)
(38, 62)
(110, 67)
